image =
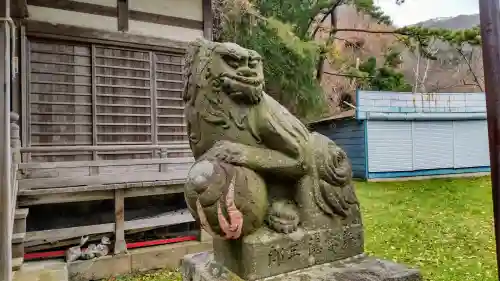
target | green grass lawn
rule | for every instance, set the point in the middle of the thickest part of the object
(442, 226)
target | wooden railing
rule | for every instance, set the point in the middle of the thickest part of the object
(157, 150)
(100, 179)
(159, 147)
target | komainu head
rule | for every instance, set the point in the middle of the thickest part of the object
(224, 68)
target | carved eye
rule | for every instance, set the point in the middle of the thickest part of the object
(231, 61)
(253, 63)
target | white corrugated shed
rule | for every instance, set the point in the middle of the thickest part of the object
(411, 134)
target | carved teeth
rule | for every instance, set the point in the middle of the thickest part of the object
(242, 79)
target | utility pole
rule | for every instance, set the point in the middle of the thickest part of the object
(490, 35)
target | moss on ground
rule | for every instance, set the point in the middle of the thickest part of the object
(158, 275)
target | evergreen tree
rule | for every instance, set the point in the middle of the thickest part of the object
(283, 33)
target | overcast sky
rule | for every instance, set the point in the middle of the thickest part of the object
(414, 11)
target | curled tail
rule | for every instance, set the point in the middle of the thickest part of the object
(338, 200)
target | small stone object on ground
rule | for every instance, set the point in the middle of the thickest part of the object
(90, 252)
(74, 253)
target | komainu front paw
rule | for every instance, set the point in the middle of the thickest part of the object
(225, 151)
(283, 217)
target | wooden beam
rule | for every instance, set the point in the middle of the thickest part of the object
(89, 8)
(98, 237)
(89, 35)
(103, 187)
(207, 19)
(93, 82)
(123, 15)
(23, 67)
(69, 195)
(5, 156)
(106, 163)
(50, 236)
(127, 148)
(19, 9)
(120, 244)
(123, 180)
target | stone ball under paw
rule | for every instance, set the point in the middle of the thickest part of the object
(228, 201)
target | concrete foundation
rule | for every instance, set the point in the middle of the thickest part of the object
(136, 260)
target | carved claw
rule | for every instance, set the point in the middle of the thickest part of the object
(283, 217)
(224, 151)
(282, 226)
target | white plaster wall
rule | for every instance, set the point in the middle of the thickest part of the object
(109, 3)
(56, 16)
(188, 9)
(164, 31)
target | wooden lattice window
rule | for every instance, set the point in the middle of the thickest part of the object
(123, 96)
(169, 84)
(86, 94)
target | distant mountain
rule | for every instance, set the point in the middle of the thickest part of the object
(458, 22)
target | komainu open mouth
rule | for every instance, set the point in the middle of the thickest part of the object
(242, 79)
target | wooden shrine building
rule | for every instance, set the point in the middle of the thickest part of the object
(94, 98)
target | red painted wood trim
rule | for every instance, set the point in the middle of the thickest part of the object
(58, 254)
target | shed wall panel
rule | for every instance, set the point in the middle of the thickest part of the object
(350, 136)
(390, 146)
(432, 145)
(471, 144)
(402, 146)
(374, 104)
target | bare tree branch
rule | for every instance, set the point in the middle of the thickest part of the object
(329, 12)
(315, 11)
(468, 62)
(347, 75)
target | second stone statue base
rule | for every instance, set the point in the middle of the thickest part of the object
(202, 267)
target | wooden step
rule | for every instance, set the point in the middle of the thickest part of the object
(18, 238)
(20, 220)
(17, 263)
(18, 245)
(21, 213)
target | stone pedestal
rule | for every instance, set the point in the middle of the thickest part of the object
(203, 267)
(267, 253)
(323, 254)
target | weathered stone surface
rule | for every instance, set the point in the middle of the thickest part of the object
(267, 253)
(275, 197)
(49, 270)
(255, 161)
(142, 259)
(165, 256)
(101, 268)
(203, 267)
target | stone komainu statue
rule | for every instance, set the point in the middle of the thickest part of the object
(256, 163)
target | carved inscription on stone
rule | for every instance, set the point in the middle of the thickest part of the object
(317, 246)
(335, 242)
(278, 255)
